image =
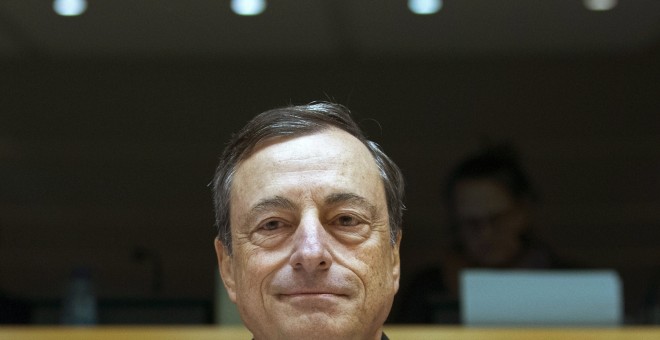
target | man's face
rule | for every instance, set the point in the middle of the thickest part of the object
(312, 252)
(490, 221)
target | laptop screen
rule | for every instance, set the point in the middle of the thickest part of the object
(541, 298)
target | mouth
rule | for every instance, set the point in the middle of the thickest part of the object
(327, 290)
(311, 296)
(313, 301)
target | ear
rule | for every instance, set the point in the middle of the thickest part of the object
(396, 263)
(225, 266)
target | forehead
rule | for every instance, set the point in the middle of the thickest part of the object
(330, 144)
(327, 159)
(481, 196)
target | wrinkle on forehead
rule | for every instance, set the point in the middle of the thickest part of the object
(331, 149)
(330, 161)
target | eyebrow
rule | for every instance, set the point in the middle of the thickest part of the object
(282, 203)
(270, 203)
(265, 205)
(346, 197)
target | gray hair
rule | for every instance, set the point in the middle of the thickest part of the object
(298, 121)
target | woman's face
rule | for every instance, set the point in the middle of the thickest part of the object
(490, 221)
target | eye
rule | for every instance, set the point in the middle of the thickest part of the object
(272, 225)
(350, 228)
(347, 221)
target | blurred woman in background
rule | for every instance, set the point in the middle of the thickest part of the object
(490, 203)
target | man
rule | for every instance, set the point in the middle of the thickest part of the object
(309, 225)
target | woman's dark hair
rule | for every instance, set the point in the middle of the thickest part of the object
(499, 163)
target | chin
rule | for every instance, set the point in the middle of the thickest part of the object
(317, 329)
(496, 261)
(323, 326)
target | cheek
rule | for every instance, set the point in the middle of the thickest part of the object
(254, 268)
(248, 272)
(379, 283)
(377, 267)
(470, 240)
(511, 235)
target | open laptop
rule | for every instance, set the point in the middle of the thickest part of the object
(541, 298)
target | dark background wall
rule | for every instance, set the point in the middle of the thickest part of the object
(111, 125)
(101, 158)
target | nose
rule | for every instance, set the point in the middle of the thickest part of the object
(311, 252)
(479, 226)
